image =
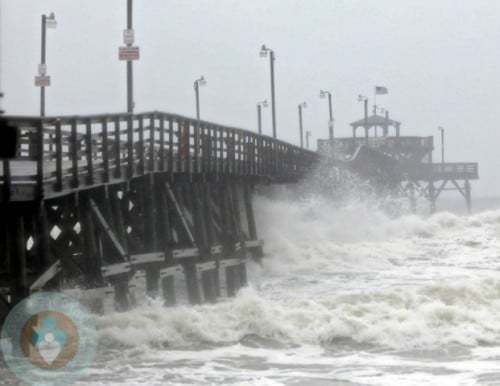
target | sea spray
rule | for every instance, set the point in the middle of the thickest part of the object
(345, 294)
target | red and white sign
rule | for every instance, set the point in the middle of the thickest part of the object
(42, 80)
(128, 53)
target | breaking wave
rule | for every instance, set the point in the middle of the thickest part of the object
(344, 273)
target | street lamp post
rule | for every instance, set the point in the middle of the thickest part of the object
(197, 83)
(301, 106)
(263, 53)
(47, 22)
(322, 95)
(259, 114)
(308, 134)
(441, 129)
(365, 100)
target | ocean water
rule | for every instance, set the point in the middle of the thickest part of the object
(346, 295)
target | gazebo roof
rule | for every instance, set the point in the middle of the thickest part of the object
(375, 120)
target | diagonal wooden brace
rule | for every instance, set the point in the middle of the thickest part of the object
(101, 221)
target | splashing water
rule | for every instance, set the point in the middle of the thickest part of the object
(345, 294)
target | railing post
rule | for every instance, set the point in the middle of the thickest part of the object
(187, 128)
(161, 150)
(88, 140)
(59, 173)
(179, 135)
(219, 151)
(140, 150)
(152, 129)
(170, 167)
(74, 154)
(105, 149)
(117, 149)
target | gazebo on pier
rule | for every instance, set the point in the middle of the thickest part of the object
(376, 121)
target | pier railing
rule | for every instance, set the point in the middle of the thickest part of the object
(78, 151)
(445, 171)
(347, 146)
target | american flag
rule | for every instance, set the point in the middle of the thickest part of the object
(380, 90)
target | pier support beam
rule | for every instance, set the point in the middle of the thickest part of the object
(432, 197)
(467, 194)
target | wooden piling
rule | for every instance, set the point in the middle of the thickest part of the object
(149, 235)
(19, 283)
(467, 194)
(432, 196)
(252, 228)
(165, 239)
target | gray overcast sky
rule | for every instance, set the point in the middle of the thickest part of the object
(439, 59)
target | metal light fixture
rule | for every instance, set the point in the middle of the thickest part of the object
(263, 51)
(51, 22)
(264, 103)
(201, 82)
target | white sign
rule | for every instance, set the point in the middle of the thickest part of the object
(330, 123)
(42, 69)
(128, 53)
(128, 36)
(42, 80)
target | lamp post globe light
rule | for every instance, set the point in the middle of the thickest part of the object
(43, 80)
(322, 95)
(260, 105)
(302, 105)
(264, 52)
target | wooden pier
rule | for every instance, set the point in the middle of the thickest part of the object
(93, 201)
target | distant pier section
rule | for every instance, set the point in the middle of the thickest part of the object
(404, 162)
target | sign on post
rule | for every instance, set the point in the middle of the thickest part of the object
(42, 80)
(42, 69)
(128, 36)
(128, 53)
